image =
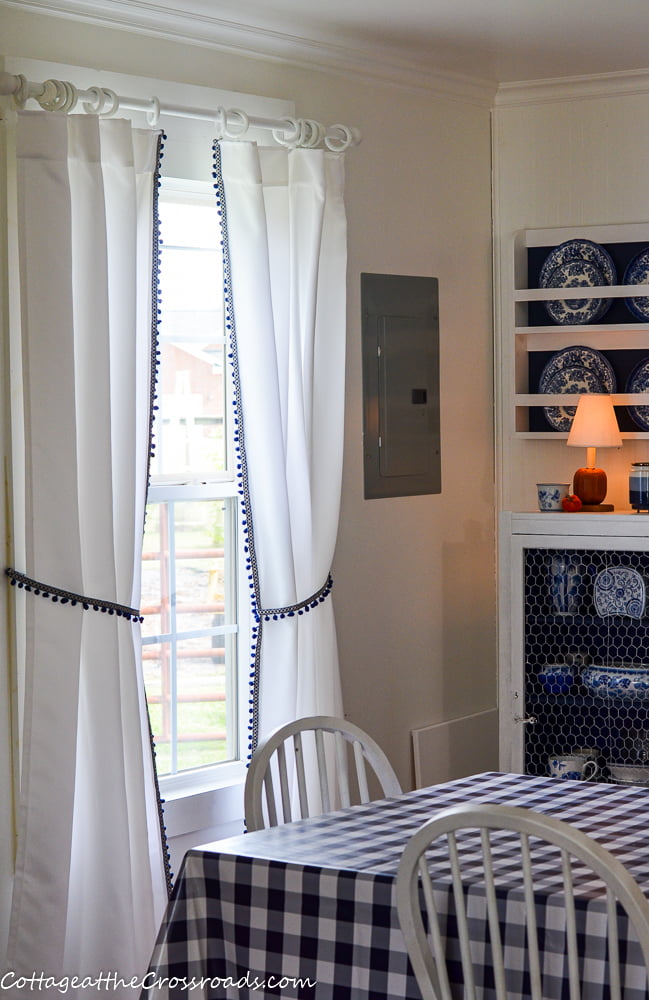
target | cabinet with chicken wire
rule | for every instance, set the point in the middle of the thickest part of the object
(574, 644)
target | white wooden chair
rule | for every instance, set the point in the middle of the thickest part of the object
(427, 953)
(320, 753)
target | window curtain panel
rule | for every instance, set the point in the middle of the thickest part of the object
(285, 262)
(89, 888)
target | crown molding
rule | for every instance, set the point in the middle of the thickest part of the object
(573, 88)
(389, 66)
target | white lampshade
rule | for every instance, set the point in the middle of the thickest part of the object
(595, 424)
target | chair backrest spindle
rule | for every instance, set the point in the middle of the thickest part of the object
(326, 755)
(495, 842)
(283, 781)
(361, 772)
(571, 927)
(531, 929)
(300, 768)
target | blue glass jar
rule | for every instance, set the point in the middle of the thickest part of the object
(639, 486)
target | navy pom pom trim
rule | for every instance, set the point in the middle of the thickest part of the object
(56, 594)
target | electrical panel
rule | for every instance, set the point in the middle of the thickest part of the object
(401, 433)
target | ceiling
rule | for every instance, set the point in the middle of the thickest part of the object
(492, 41)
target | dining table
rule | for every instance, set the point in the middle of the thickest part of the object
(307, 909)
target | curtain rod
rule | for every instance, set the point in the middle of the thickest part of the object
(231, 123)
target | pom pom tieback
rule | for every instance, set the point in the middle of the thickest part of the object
(69, 597)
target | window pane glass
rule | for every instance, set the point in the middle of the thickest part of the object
(200, 564)
(189, 632)
(189, 425)
(202, 717)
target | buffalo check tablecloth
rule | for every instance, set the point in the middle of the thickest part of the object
(307, 909)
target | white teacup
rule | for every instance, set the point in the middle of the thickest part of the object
(572, 767)
(551, 494)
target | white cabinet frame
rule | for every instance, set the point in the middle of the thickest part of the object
(522, 531)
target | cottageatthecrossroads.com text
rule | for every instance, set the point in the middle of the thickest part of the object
(112, 981)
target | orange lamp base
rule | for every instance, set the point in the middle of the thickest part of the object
(590, 486)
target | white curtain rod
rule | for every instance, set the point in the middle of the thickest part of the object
(231, 123)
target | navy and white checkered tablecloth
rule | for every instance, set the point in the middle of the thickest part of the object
(306, 910)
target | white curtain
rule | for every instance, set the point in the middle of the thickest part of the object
(89, 887)
(286, 236)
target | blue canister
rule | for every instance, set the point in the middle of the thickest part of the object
(639, 486)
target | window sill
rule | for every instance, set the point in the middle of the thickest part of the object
(217, 805)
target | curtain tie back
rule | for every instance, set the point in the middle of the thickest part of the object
(69, 597)
(273, 614)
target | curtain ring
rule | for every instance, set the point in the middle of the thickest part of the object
(153, 115)
(111, 103)
(304, 133)
(71, 96)
(340, 144)
(53, 95)
(280, 136)
(315, 133)
(220, 121)
(21, 94)
(95, 105)
(58, 95)
(236, 129)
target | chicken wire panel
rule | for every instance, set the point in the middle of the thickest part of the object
(584, 609)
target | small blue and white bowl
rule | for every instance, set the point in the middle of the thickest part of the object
(621, 682)
(551, 494)
(557, 678)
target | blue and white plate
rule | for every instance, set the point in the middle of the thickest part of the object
(637, 273)
(569, 380)
(576, 273)
(581, 250)
(579, 357)
(619, 590)
(638, 381)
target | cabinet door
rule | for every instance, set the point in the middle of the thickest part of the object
(578, 639)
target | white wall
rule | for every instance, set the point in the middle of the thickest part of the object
(414, 578)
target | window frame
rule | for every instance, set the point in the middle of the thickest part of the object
(215, 486)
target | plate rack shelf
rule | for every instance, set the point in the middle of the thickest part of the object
(620, 336)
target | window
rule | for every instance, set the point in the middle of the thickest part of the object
(193, 627)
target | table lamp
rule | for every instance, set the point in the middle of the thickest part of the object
(594, 426)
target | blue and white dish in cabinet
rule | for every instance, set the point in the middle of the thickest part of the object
(638, 381)
(579, 249)
(570, 380)
(637, 273)
(575, 311)
(619, 590)
(619, 682)
(579, 356)
(577, 264)
(575, 369)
